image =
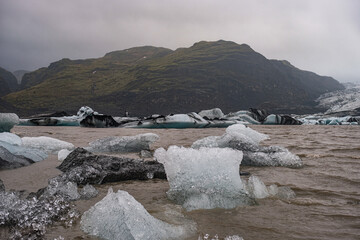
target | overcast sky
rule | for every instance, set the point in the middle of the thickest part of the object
(316, 35)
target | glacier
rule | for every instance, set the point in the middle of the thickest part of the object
(8, 121)
(244, 138)
(123, 144)
(120, 216)
(204, 178)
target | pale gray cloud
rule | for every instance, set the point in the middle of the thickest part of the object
(317, 35)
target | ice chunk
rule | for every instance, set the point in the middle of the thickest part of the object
(272, 156)
(47, 144)
(237, 129)
(257, 188)
(35, 155)
(216, 237)
(28, 218)
(62, 154)
(67, 190)
(8, 121)
(283, 192)
(120, 216)
(88, 192)
(247, 140)
(214, 113)
(10, 161)
(85, 111)
(123, 144)
(205, 178)
(10, 138)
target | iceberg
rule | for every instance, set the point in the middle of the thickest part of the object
(10, 161)
(10, 138)
(190, 120)
(35, 155)
(120, 216)
(8, 121)
(123, 144)
(204, 178)
(212, 114)
(243, 138)
(46, 144)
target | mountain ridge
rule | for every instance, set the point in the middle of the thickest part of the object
(145, 80)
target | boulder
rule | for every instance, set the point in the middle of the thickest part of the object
(83, 167)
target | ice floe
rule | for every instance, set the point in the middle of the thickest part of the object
(244, 138)
(47, 144)
(120, 216)
(204, 178)
(124, 143)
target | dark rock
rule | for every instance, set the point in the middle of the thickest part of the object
(11, 161)
(83, 167)
(99, 121)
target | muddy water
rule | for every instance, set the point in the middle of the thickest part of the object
(327, 205)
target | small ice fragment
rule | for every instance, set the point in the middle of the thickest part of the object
(120, 216)
(257, 188)
(123, 144)
(88, 192)
(62, 154)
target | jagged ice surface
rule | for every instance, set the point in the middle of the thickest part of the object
(120, 216)
(123, 144)
(28, 218)
(205, 178)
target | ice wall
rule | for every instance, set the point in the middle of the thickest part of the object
(120, 216)
(205, 178)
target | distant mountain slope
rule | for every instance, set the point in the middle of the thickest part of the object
(8, 82)
(342, 102)
(145, 80)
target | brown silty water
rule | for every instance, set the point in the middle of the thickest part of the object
(326, 206)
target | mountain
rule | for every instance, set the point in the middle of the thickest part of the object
(19, 74)
(342, 102)
(8, 82)
(146, 80)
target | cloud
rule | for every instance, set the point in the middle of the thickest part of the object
(320, 36)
